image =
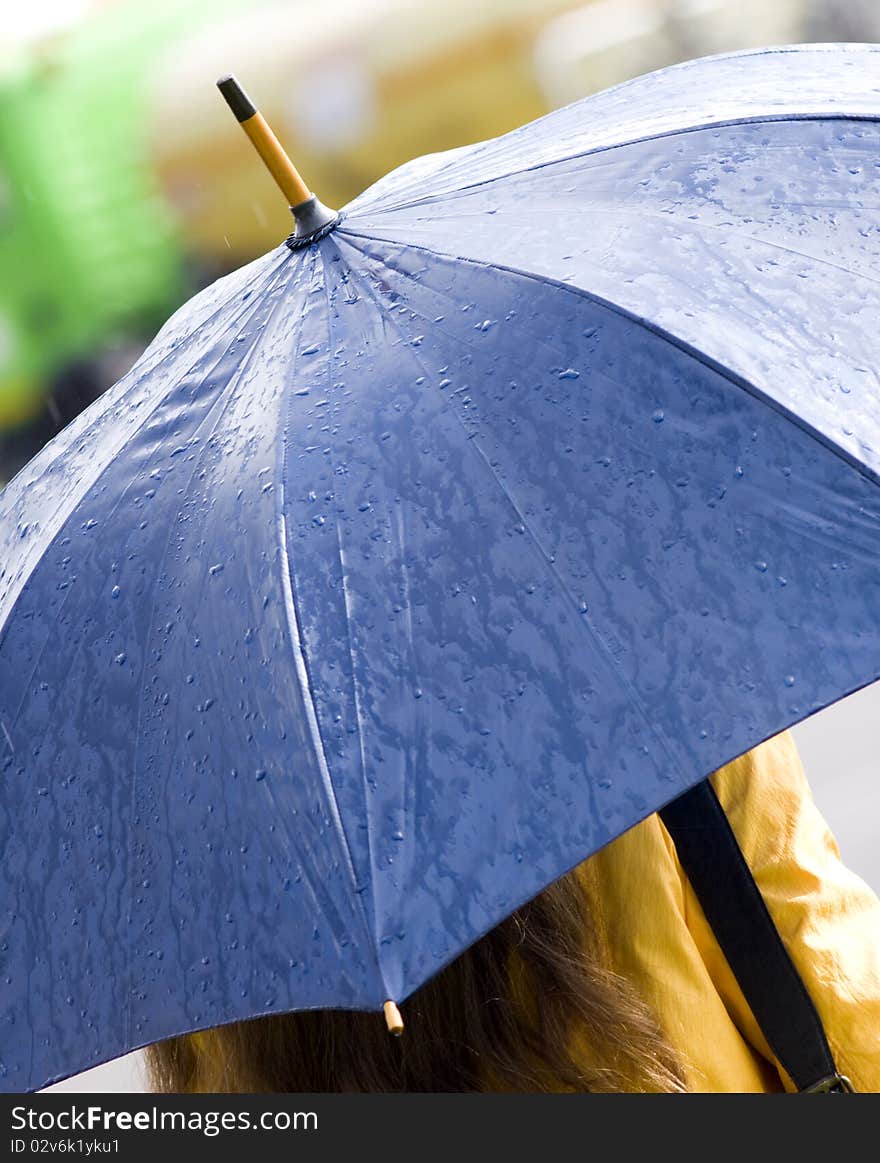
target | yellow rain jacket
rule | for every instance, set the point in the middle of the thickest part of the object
(659, 939)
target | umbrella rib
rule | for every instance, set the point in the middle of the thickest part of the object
(304, 678)
(611, 663)
(449, 195)
(110, 514)
(697, 228)
(721, 369)
(478, 150)
(372, 930)
(221, 410)
(107, 400)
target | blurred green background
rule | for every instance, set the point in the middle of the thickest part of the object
(125, 184)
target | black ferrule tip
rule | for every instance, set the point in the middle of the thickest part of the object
(236, 98)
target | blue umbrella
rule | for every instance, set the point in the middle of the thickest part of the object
(420, 558)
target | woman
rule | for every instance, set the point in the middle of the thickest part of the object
(609, 980)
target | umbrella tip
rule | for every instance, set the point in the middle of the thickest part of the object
(393, 1019)
(236, 98)
(313, 219)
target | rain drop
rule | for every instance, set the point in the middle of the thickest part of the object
(658, 417)
(215, 569)
(569, 374)
(120, 658)
(114, 593)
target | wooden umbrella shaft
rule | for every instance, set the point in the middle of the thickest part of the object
(265, 142)
(277, 162)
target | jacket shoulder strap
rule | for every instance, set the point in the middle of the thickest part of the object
(721, 878)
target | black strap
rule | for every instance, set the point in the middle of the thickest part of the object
(715, 866)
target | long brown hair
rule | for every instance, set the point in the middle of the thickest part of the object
(531, 1006)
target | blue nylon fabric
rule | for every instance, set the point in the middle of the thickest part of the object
(404, 572)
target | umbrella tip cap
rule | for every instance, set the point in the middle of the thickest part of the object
(236, 98)
(393, 1019)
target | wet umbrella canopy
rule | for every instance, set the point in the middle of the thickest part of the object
(409, 567)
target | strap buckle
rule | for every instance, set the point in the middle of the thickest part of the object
(833, 1084)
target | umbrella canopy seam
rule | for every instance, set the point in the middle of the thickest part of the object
(728, 373)
(613, 667)
(80, 426)
(301, 665)
(229, 393)
(145, 420)
(356, 208)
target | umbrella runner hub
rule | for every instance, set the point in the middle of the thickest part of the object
(313, 219)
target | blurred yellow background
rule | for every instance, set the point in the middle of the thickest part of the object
(125, 184)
